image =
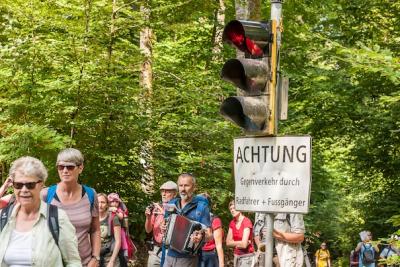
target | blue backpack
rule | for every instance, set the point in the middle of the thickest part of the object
(52, 192)
(367, 255)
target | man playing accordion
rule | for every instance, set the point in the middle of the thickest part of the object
(193, 214)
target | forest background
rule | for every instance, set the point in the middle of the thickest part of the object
(135, 86)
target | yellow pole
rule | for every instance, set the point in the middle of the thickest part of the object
(272, 123)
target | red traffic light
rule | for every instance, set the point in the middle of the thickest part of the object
(248, 36)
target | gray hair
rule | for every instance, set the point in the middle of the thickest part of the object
(29, 166)
(70, 155)
(186, 174)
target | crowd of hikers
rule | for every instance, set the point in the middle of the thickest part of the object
(366, 254)
(70, 224)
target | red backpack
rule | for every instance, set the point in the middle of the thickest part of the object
(127, 245)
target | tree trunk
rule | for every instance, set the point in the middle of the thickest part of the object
(219, 29)
(241, 8)
(146, 82)
(248, 9)
(74, 115)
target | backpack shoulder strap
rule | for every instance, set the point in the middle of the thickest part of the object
(90, 193)
(288, 219)
(201, 204)
(110, 226)
(389, 248)
(5, 214)
(51, 192)
(52, 222)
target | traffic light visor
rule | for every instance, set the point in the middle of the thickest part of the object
(248, 112)
(248, 36)
(250, 75)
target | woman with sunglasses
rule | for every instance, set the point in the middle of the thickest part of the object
(79, 202)
(26, 239)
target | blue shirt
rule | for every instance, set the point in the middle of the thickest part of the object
(190, 211)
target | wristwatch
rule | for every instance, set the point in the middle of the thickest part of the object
(97, 258)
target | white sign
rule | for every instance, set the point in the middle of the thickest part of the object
(272, 174)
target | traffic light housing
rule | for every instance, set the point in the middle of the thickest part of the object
(251, 37)
(251, 109)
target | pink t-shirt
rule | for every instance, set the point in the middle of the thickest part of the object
(80, 214)
(157, 219)
(237, 235)
(215, 224)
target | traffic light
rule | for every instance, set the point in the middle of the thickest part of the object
(251, 109)
(251, 37)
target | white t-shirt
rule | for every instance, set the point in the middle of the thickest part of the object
(19, 250)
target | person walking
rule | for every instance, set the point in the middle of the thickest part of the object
(323, 256)
(390, 251)
(79, 202)
(27, 239)
(154, 219)
(366, 250)
(194, 208)
(288, 235)
(240, 233)
(212, 253)
(110, 229)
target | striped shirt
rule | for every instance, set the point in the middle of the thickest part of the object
(80, 215)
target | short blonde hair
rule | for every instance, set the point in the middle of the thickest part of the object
(29, 166)
(70, 155)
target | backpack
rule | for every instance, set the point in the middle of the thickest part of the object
(128, 248)
(52, 219)
(51, 192)
(367, 255)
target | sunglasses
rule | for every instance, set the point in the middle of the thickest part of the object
(30, 185)
(69, 167)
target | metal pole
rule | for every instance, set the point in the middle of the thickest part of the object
(269, 240)
(276, 14)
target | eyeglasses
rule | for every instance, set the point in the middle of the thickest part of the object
(69, 167)
(30, 185)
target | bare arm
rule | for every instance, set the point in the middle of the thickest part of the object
(95, 239)
(229, 240)
(148, 226)
(117, 245)
(239, 244)
(358, 248)
(257, 241)
(218, 236)
(3, 189)
(288, 237)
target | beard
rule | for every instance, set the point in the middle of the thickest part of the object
(184, 196)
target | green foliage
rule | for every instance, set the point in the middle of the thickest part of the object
(67, 80)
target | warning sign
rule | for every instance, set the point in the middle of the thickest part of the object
(272, 174)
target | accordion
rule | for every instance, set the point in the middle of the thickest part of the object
(177, 236)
